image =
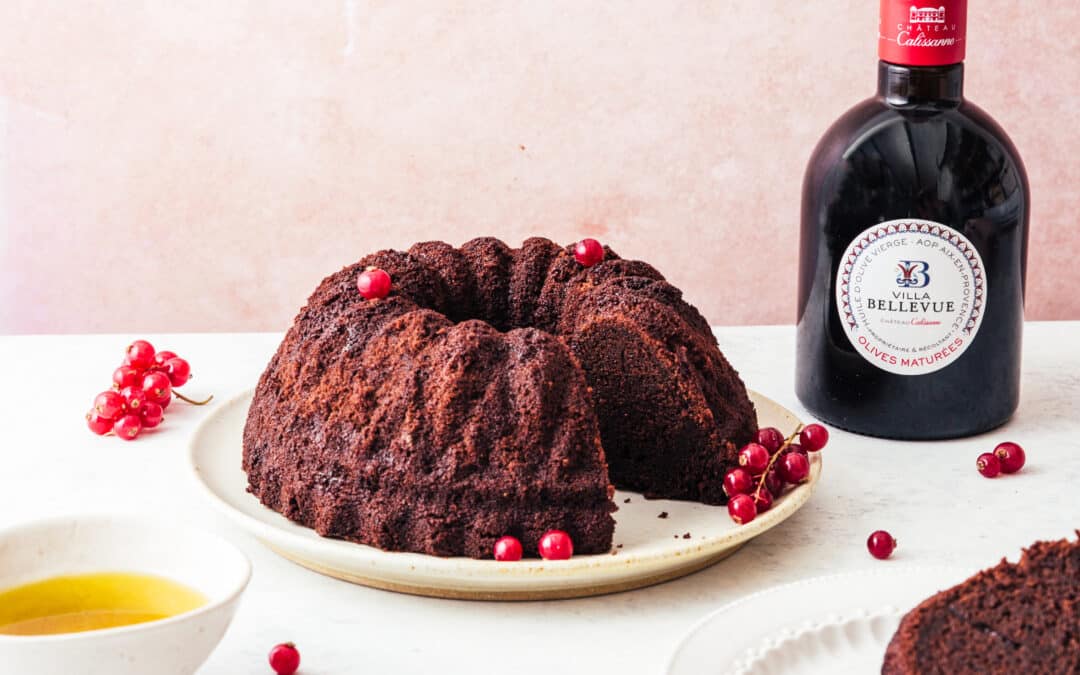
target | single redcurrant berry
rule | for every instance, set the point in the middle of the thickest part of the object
(161, 357)
(763, 500)
(128, 427)
(770, 437)
(140, 354)
(754, 458)
(814, 437)
(98, 424)
(508, 549)
(125, 376)
(373, 284)
(109, 404)
(988, 464)
(738, 482)
(157, 388)
(588, 252)
(880, 544)
(794, 467)
(742, 509)
(134, 398)
(774, 482)
(285, 659)
(1012, 456)
(178, 370)
(152, 414)
(556, 545)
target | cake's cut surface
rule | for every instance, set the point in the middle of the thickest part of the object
(495, 391)
(1013, 618)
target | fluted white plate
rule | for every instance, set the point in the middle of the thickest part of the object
(648, 549)
(821, 626)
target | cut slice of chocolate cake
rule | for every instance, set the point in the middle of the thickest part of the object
(1013, 618)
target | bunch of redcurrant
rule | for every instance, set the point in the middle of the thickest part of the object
(143, 386)
(767, 466)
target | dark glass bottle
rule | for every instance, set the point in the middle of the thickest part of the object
(913, 249)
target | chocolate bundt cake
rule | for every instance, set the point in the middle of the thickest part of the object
(495, 391)
(1013, 618)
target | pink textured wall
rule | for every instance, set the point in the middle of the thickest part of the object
(201, 165)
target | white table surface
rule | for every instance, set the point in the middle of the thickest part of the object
(927, 494)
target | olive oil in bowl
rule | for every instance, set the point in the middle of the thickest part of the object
(85, 602)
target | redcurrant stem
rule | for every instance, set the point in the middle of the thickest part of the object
(772, 460)
(191, 400)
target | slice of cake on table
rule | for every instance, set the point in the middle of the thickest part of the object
(1013, 618)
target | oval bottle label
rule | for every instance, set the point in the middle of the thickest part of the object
(911, 295)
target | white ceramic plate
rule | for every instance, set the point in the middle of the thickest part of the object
(822, 626)
(649, 549)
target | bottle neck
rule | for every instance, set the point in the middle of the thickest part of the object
(921, 86)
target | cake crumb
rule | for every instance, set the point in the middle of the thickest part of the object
(686, 536)
(626, 501)
(618, 545)
(663, 514)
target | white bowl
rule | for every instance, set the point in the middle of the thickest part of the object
(177, 645)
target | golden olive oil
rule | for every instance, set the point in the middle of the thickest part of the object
(77, 603)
